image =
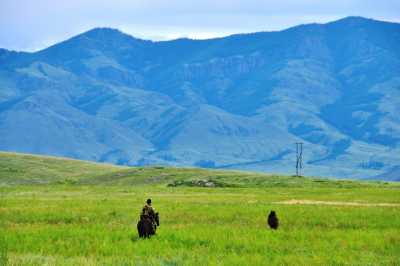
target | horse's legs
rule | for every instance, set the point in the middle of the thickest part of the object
(140, 228)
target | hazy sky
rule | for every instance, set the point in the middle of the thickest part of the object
(35, 24)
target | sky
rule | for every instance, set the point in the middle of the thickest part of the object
(31, 25)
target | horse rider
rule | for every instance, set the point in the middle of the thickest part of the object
(149, 212)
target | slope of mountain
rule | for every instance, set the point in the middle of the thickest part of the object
(234, 102)
(391, 175)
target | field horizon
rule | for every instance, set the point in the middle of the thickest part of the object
(45, 169)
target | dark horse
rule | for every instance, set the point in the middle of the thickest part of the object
(145, 226)
(273, 221)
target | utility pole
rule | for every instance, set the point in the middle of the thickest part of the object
(299, 158)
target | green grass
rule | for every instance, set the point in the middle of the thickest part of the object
(66, 212)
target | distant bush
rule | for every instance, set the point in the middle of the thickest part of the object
(67, 181)
(199, 183)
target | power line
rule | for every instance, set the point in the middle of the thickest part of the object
(299, 158)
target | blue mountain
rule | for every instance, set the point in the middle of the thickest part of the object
(237, 102)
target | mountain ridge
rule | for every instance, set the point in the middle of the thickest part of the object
(116, 30)
(241, 100)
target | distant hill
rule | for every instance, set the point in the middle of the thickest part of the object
(27, 169)
(238, 102)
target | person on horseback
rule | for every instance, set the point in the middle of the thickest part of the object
(149, 212)
(149, 221)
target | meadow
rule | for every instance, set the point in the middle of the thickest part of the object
(67, 212)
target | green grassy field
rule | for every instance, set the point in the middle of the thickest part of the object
(67, 212)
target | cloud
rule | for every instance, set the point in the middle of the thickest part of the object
(31, 25)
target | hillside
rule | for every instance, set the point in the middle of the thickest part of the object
(392, 175)
(238, 102)
(26, 169)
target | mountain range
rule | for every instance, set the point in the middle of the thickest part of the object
(238, 102)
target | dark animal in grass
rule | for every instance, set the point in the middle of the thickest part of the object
(273, 221)
(146, 226)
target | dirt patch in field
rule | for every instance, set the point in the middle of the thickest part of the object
(341, 203)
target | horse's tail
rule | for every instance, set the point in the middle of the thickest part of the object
(157, 219)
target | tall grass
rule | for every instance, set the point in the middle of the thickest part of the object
(3, 243)
(95, 225)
